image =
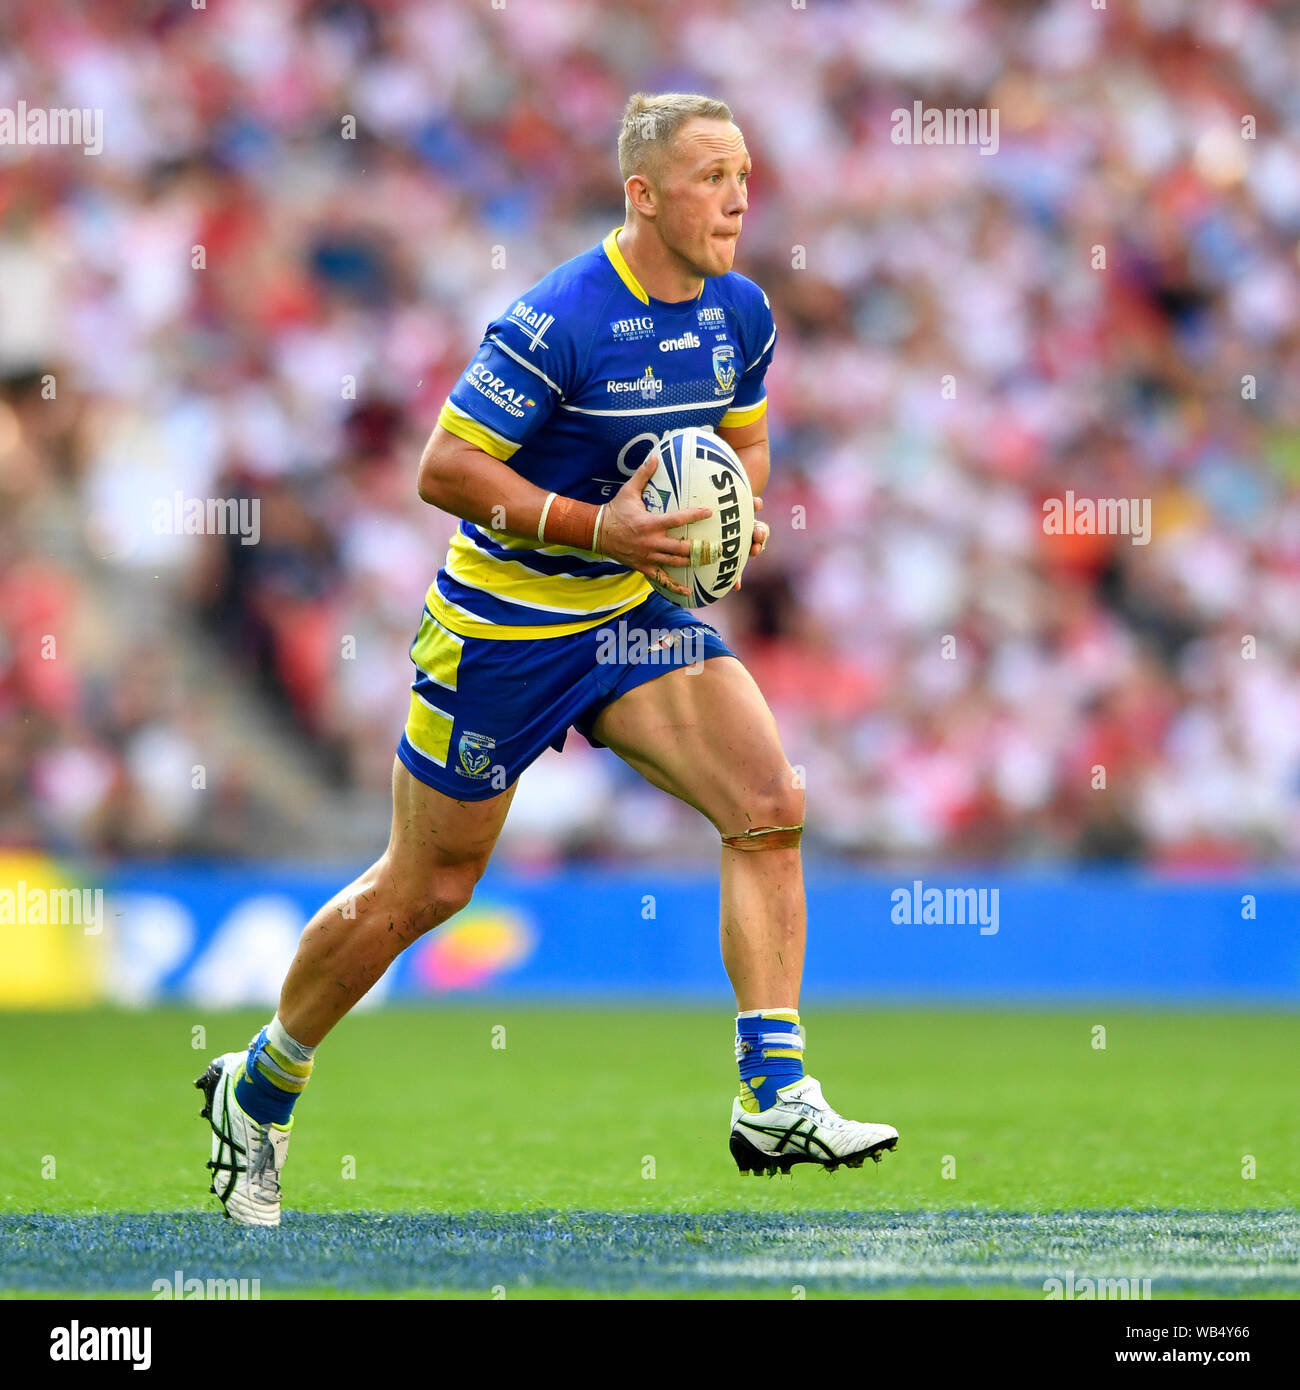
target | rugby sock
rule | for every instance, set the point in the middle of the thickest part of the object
(273, 1075)
(769, 1048)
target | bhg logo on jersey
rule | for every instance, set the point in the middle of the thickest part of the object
(625, 330)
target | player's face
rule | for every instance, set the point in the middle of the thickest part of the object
(704, 195)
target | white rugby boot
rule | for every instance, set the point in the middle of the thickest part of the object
(246, 1155)
(802, 1128)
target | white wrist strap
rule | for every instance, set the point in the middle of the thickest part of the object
(541, 524)
(595, 535)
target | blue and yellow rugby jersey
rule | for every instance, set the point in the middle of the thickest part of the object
(572, 386)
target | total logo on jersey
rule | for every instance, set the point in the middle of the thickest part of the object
(525, 316)
(625, 330)
(484, 380)
(687, 340)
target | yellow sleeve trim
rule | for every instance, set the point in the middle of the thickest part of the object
(458, 423)
(745, 416)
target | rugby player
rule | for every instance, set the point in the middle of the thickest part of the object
(543, 449)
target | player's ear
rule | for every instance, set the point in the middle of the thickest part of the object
(640, 194)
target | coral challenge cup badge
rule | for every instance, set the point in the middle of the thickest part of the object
(475, 755)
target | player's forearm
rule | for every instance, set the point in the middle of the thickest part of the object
(750, 443)
(758, 465)
(458, 477)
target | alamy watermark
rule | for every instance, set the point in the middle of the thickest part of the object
(948, 125)
(63, 125)
(672, 646)
(922, 906)
(1102, 516)
(179, 515)
(1083, 1287)
(21, 906)
(77, 1343)
(179, 1287)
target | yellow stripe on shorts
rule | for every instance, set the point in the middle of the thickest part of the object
(428, 729)
(437, 652)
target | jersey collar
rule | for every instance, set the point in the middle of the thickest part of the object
(624, 271)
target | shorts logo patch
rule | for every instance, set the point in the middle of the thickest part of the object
(475, 759)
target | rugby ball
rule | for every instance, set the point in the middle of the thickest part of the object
(695, 468)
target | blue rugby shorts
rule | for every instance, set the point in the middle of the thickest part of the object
(482, 709)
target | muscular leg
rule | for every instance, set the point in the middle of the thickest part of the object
(709, 739)
(437, 851)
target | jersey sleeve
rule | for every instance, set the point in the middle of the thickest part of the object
(523, 369)
(750, 400)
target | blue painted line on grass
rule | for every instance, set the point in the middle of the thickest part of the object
(1215, 1253)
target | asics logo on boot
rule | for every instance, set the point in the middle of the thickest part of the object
(795, 1135)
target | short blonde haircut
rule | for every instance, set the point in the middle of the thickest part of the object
(650, 124)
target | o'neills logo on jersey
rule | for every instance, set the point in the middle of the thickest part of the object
(624, 330)
(648, 385)
(687, 340)
(729, 516)
(525, 316)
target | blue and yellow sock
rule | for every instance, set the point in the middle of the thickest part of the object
(273, 1075)
(769, 1048)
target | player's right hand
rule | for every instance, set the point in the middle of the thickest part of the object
(639, 539)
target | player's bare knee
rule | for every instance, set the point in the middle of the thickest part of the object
(770, 816)
(412, 899)
(444, 892)
(455, 885)
(778, 801)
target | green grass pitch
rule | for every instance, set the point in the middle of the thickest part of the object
(582, 1151)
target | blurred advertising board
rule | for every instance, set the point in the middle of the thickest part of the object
(224, 936)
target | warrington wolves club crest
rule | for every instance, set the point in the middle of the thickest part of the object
(724, 367)
(475, 758)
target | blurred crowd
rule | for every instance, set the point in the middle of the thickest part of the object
(303, 216)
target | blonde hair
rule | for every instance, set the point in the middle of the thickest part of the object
(651, 122)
